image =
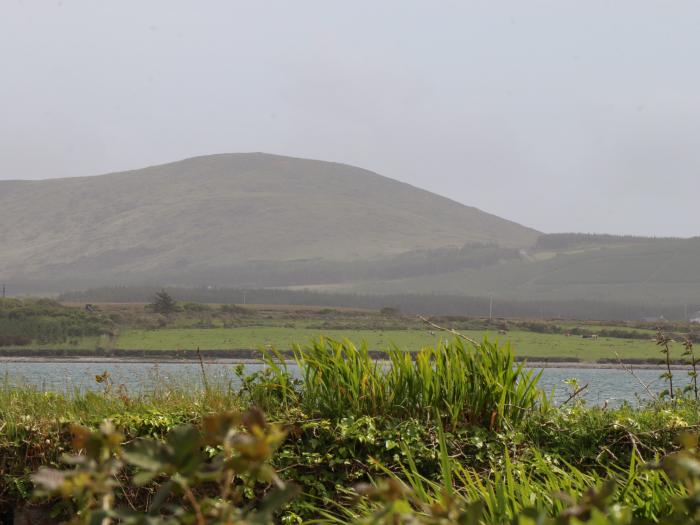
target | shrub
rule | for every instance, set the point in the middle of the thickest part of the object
(203, 474)
(234, 309)
(191, 307)
(14, 340)
(46, 321)
(163, 303)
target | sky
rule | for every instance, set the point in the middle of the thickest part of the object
(561, 115)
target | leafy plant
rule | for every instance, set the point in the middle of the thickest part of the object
(663, 341)
(187, 465)
(693, 373)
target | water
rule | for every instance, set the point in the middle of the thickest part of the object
(613, 386)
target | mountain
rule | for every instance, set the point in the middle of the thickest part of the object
(220, 219)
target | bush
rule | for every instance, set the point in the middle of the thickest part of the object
(234, 309)
(46, 321)
(191, 307)
(14, 340)
(221, 457)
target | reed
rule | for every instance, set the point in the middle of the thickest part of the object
(462, 383)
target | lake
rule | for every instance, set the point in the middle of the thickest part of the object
(605, 384)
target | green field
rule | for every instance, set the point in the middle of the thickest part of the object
(46, 325)
(524, 343)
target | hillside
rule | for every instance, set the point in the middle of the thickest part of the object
(637, 271)
(217, 219)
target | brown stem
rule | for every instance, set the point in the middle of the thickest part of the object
(631, 372)
(204, 374)
(695, 377)
(668, 367)
(633, 440)
(195, 506)
(574, 394)
(227, 484)
(689, 346)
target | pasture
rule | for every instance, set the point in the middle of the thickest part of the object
(529, 344)
(135, 327)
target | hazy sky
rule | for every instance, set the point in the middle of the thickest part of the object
(562, 115)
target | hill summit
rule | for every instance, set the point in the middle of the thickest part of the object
(208, 216)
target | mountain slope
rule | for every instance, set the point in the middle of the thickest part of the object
(651, 272)
(222, 211)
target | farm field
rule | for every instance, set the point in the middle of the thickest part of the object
(42, 325)
(533, 345)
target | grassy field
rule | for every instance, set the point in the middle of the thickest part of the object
(221, 327)
(528, 344)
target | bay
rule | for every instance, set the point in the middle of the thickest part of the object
(611, 386)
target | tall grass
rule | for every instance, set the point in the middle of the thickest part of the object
(533, 485)
(463, 383)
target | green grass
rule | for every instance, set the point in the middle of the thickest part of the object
(555, 345)
(528, 344)
(82, 343)
(261, 336)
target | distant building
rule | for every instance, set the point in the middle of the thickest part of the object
(695, 318)
(654, 319)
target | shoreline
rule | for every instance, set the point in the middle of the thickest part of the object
(553, 363)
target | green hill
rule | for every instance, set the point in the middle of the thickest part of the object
(223, 219)
(642, 271)
(256, 220)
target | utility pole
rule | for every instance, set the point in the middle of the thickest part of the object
(491, 307)
(3, 290)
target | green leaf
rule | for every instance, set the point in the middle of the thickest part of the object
(163, 492)
(146, 454)
(273, 502)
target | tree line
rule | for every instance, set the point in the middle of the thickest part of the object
(560, 241)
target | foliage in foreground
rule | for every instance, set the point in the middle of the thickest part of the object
(666, 492)
(209, 468)
(465, 437)
(203, 476)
